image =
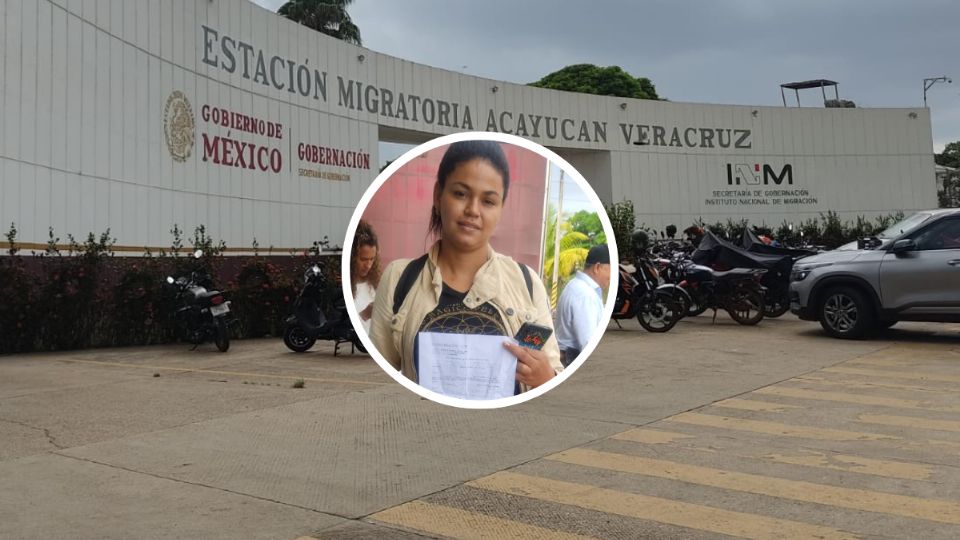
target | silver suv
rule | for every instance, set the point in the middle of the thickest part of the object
(910, 272)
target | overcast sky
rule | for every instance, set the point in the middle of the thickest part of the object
(704, 51)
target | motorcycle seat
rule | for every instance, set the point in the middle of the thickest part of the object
(738, 273)
(208, 294)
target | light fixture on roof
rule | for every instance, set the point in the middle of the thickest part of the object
(927, 83)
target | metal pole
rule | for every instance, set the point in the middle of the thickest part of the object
(929, 82)
(555, 287)
(545, 219)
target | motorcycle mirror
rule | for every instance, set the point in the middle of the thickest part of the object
(197, 254)
(170, 280)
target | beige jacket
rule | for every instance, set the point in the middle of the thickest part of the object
(499, 282)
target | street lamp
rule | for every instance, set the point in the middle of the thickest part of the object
(927, 83)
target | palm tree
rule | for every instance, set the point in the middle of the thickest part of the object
(327, 16)
(574, 246)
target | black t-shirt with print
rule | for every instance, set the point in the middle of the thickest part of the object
(452, 316)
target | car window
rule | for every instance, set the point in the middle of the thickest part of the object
(911, 222)
(942, 235)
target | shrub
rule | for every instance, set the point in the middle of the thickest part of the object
(623, 220)
(828, 230)
(17, 325)
(83, 296)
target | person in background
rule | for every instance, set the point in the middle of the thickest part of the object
(580, 308)
(365, 271)
(694, 234)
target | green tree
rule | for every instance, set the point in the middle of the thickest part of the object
(603, 81)
(949, 195)
(950, 157)
(589, 224)
(327, 16)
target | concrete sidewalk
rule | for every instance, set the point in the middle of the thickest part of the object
(162, 442)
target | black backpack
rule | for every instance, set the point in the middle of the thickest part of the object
(412, 272)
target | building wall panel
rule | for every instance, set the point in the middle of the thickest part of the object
(84, 86)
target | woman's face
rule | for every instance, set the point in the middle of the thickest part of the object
(366, 255)
(470, 204)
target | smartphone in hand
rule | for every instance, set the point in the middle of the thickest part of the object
(533, 336)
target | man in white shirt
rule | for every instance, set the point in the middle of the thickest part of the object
(580, 309)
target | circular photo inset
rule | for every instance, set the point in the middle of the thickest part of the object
(477, 268)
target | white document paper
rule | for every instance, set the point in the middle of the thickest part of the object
(466, 366)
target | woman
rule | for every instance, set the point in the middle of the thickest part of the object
(365, 271)
(462, 285)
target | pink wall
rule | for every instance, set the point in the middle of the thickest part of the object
(400, 210)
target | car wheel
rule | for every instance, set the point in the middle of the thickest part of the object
(845, 312)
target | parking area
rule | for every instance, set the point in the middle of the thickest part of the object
(712, 430)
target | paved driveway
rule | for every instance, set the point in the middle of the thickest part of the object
(712, 430)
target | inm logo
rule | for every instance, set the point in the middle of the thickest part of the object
(743, 173)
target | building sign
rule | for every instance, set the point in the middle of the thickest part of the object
(742, 173)
(228, 140)
(234, 151)
(237, 57)
(178, 126)
(320, 155)
(759, 185)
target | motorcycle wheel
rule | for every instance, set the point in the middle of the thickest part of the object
(746, 307)
(660, 314)
(684, 302)
(696, 306)
(775, 307)
(222, 338)
(297, 340)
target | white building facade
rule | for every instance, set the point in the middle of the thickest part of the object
(139, 115)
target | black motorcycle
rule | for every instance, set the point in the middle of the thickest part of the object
(779, 262)
(319, 312)
(737, 291)
(656, 307)
(202, 312)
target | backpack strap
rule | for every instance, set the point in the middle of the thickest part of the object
(412, 272)
(526, 278)
(409, 275)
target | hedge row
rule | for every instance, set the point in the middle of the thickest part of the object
(85, 296)
(827, 230)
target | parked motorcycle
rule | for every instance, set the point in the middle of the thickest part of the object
(202, 313)
(737, 291)
(639, 296)
(779, 262)
(319, 312)
(722, 255)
